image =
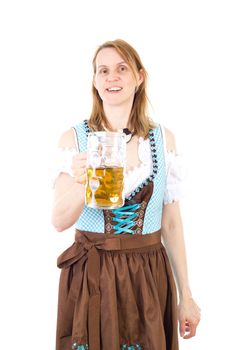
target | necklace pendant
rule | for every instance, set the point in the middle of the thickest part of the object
(128, 134)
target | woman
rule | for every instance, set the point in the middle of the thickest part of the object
(122, 295)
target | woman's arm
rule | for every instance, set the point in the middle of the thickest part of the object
(69, 192)
(173, 239)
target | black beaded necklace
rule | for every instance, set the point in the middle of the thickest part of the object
(129, 134)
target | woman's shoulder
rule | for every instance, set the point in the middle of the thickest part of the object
(169, 138)
(67, 139)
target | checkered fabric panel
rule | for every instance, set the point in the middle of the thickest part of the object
(153, 214)
(81, 136)
(91, 220)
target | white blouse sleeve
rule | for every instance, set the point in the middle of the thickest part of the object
(175, 178)
(62, 163)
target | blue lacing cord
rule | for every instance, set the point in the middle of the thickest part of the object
(124, 217)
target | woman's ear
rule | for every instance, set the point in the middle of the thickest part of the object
(140, 77)
(94, 82)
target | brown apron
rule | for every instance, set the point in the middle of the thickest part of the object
(87, 250)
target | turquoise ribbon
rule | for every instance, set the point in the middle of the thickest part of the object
(124, 217)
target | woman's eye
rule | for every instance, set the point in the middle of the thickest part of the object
(103, 71)
(123, 68)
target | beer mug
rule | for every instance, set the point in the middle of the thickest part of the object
(106, 153)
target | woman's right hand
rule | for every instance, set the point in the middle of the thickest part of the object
(79, 168)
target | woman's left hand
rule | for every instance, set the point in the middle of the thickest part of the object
(189, 315)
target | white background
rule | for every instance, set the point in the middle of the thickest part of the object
(45, 85)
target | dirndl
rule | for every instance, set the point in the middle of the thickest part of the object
(116, 292)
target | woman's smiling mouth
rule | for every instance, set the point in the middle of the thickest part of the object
(114, 89)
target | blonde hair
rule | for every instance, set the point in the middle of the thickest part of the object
(139, 120)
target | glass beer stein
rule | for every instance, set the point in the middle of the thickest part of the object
(106, 153)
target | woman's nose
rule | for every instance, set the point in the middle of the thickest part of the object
(112, 76)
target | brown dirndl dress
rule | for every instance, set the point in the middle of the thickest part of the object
(116, 292)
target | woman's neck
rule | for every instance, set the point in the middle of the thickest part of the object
(117, 116)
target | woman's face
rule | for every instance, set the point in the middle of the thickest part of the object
(114, 79)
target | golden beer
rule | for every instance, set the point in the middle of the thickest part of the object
(104, 188)
(106, 153)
